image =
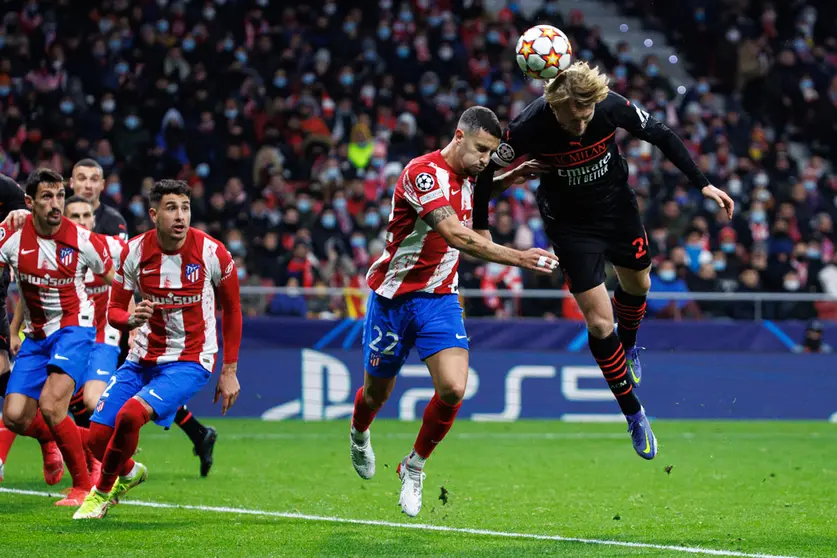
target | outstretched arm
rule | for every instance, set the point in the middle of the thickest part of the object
(445, 222)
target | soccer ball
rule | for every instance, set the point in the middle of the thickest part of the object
(543, 52)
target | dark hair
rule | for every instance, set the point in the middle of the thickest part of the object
(41, 176)
(166, 186)
(77, 199)
(88, 163)
(480, 118)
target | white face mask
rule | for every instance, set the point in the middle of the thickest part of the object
(792, 285)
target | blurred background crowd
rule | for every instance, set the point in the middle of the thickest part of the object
(292, 124)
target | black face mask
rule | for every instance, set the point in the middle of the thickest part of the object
(813, 344)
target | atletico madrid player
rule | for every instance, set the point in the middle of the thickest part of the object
(178, 271)
(414, 301)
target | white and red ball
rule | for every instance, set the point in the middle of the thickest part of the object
(543, 52)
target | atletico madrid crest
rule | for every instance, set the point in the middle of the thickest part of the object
(374, 360)
(65, 256)
(192, 272)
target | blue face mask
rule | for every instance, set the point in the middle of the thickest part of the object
(108, 105)
(5, 90)
(349, 27)
(620, 71)
(480, 98)
(231, 113)
(304, 206)
(428, 89)
(235, 245)
(498, 87)
(241, 56)
(535, 224)
(105, 161)
(228, 45)
(339, 204)
(434, 20)
(105, 25)
(115, 45)
(188, 44)
(810, 185)
(700, 16)
(519, 194)
(137, 208)
(378, 162)
(667, 275)
(406, 16)
(624, 57)
(703, 88)
(534, 184)
(280, 82)
(358, 242)
(203, 170)
(653, 70)
(329, 221)
(814, 254)
(587, 54)
(132, 122)
(347, 79)
(373, 220)
(308, 79)
(370, 55)
(241, 272)
(728, 247)
(806, 84)
(384, 211)
(67, 107)
(121, 68)
(163, 26)
(720, 265)
(493, 37)
(114, 189)
(403, 51)
(384, 33)
(758, 216)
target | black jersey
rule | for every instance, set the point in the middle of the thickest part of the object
(110, 222)
(12, 196)
(589, 176)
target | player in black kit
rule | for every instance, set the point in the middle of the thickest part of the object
(88, 182)
(591, 214)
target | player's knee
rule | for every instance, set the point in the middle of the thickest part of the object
(15, 420)
(52, 410)
(599, 327)
(132, 416)
(451, 392)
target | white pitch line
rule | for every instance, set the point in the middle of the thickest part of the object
(509, 436)
(419, 526)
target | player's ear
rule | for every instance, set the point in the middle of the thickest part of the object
(458, 135)
(29, 202)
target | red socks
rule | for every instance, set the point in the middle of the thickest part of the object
(38, 429)
(117, 459)
(97, 439)
(67, 437)
(7, 437)
(362, 416)
(437, 421)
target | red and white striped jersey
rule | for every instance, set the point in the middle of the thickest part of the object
(50, 274)
(183, 285)
(417, 258)
(98, 292)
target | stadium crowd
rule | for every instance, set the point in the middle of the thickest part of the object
(292, 124)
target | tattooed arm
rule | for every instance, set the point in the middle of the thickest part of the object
(445, 222)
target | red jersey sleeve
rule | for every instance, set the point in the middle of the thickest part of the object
(6, 232)
(229, 296)
(422, 189)
(96, 254)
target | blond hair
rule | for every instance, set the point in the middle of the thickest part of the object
(579, 83)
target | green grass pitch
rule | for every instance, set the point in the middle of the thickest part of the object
(741, 488)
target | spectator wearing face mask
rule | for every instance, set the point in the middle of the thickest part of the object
(813, 341)
(665, 280)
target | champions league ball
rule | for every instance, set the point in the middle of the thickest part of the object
(543, 52)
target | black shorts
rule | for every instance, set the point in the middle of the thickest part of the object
(583, 246)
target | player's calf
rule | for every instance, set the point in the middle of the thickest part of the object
(360, 444)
